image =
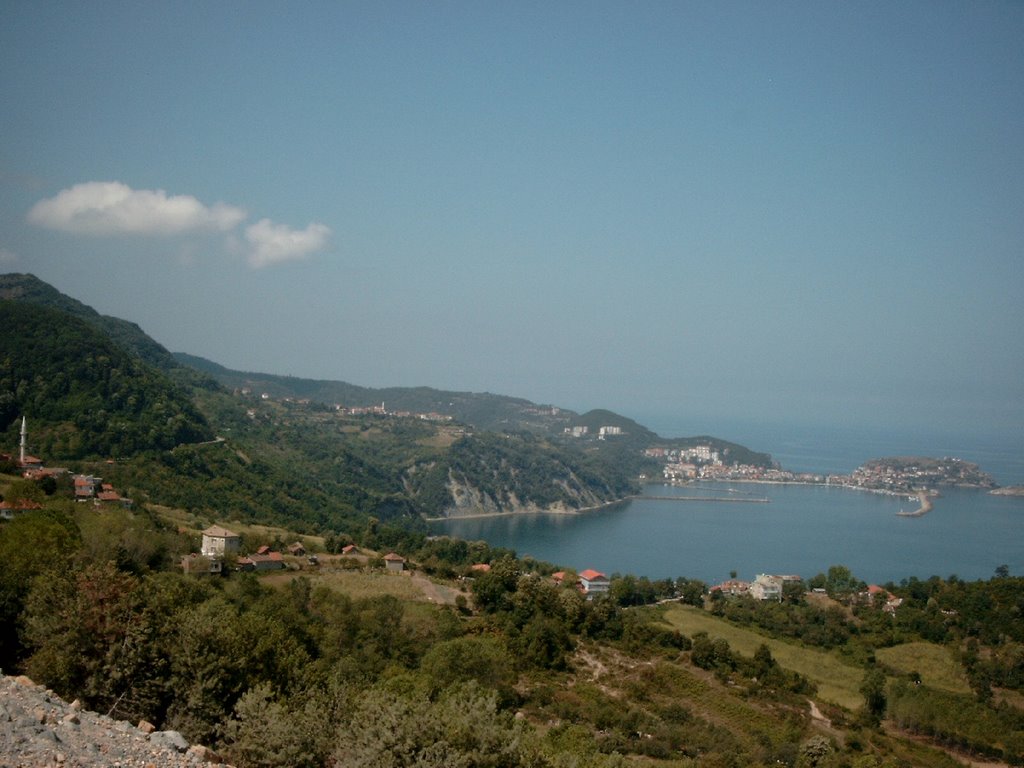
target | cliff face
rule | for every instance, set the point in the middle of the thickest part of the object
(469, 500)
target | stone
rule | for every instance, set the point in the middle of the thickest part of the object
(171, 739)
(202, 753)
(146, 727)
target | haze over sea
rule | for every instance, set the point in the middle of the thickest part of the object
(802, 529)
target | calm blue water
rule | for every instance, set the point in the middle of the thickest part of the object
(802, 530)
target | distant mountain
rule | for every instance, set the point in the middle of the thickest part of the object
(481, 410)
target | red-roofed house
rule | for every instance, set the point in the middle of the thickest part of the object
(593, 582)
(269, 562)
(394, 562)
(8, 509)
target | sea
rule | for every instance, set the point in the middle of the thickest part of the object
(752, 528)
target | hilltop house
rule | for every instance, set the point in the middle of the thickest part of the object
(219, 541)
(394, 562)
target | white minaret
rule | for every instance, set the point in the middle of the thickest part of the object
(24, 439)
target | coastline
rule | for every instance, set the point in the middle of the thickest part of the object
(529, 511)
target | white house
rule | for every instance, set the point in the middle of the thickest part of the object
(593, 582)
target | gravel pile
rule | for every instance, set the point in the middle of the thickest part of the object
(39, 730)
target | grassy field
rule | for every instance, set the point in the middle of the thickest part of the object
(837, 682)
(195, 525)
(356, 584)
(935, 664)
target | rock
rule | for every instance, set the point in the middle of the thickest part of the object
(206, 754)
(171, 739)
(146, 727)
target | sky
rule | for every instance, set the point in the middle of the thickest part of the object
(783, 212)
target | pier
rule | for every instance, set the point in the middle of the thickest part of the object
(926, 507)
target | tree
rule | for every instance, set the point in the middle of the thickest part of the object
(464, 729)
(75, 624)
(873, 691)
(29, 546)
(483, 659)
(839, 581)
(267, 732)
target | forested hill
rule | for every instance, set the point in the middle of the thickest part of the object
(86, 395)
(481, 410)
(29, 289)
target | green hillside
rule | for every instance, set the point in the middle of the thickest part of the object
(85, 385)
(86, 395)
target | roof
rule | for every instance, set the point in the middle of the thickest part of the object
(220, 532)
(394, 557)
(20, 505)
(591, 575)
(270, 557)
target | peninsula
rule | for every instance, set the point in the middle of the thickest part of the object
(899, 475)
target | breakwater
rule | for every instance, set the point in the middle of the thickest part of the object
(727, 499)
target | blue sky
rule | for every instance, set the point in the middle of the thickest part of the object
(782, 212)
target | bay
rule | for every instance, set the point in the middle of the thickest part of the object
(801, 530)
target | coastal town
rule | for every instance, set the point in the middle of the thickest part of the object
(904, 475)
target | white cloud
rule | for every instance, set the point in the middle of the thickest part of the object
(113, 208)
(271, 243)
